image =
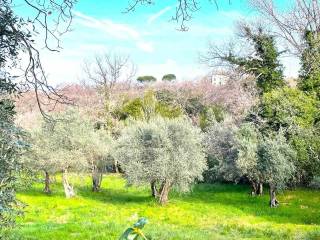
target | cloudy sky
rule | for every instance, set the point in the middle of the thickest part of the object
(147, 35)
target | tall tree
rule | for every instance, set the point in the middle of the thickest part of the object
(107, 71)
(290, 23)
(263, 62)
(275, 163)
(309, 79)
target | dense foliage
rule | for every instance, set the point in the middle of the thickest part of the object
(288, 107)
(264, 64)
(70, 144)
(236, 153)
(309, 80)
(146, 107)
(11, 147)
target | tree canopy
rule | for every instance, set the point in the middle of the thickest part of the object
(162, 151)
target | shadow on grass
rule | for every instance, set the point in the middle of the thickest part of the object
(211, 195)
(295, 210)
(106, 195)
(114, 196)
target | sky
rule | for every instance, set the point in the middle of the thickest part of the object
(147, 35)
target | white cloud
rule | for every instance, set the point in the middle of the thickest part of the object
(154, 17)
(116, 30)
(145, 46)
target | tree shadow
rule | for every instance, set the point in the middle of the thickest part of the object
(295, 207)
(294, 210)
(115, 196)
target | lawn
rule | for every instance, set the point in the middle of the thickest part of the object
(218, 211)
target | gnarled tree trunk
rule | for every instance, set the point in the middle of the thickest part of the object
(164, 192)
(68, 189)
(273, 200)
(257, 189)
(154, 190)
(96, 179)
(47, 183)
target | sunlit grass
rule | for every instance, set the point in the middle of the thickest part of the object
(209, 212)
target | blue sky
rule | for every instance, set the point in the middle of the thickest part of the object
(147, 35)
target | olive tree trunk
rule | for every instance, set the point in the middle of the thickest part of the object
(273, 199)
(260, 190)
(68, 189)
(154, 190)
(257, 189)
(96, 179)
(164, 192)
(116, 166)
(47, 183)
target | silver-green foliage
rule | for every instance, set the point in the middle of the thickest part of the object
(235, 152)
(12, 146)
(162, 150)
(276, 160)
(221, 147)
(69, 144)
(247, 141)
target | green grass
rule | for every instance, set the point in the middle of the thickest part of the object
(208, 212)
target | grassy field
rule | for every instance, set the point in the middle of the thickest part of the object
(209, 212)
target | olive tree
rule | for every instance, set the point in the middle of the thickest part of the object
(165, 152)
(64, 148)
(243, 152)
(97, 146)
(221, 147)
(274, 163)
(41, 157)
(70, 144)
(247, 159)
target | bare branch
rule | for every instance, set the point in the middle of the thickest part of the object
(52, 18)
(291, 25)
(108, 70)
(183, 13)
